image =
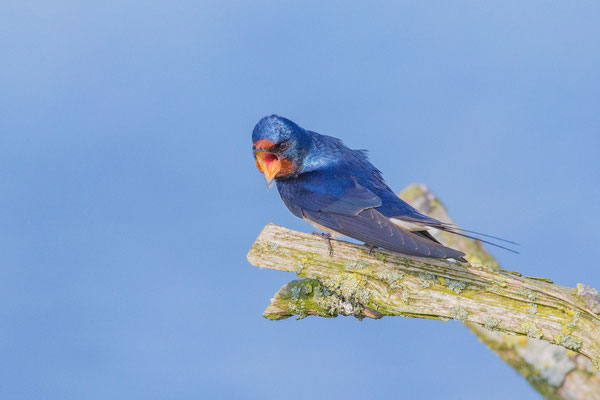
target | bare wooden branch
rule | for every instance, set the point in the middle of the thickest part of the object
(486, 297)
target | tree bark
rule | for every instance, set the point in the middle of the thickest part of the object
(550, 334)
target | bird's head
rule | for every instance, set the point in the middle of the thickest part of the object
(279, 147)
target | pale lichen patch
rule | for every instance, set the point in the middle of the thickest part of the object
(491, 323)
(296, 290)
(425, 278)
(571, 342)
(307, 288)
(391, 277)
(405, 296)
(326, 299)
(532, 308)
(575, 319)
(360, 264)
(456, 286)
(529, 293)
(274, 247)
(460, 314)
(530, 329)
(349, 285)
(424, 284)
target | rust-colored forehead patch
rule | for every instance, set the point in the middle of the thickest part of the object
(264, 144)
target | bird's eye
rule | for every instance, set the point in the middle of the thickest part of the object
(283, 145)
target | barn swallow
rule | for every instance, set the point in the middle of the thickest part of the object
(339, 191)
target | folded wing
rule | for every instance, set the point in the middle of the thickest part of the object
(353, 210)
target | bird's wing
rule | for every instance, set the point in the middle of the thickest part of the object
(328, 193)
(343, 205)
(373, 228)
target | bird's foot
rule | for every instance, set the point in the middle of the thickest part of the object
(327, 237)
(371, 248)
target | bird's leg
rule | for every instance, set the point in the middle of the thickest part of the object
(327, 237)
(371, 248)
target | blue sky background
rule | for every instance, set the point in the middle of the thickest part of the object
(129, 198)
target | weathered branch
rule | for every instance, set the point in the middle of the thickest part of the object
(352, 282)
(554, 371)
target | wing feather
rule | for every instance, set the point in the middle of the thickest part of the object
(326, 193)
(373, 228)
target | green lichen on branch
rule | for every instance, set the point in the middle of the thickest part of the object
(460, 314)
(405, 286)
(483, 295)
(305, 297)
(570, 342)
(391, 277)
(492, 323)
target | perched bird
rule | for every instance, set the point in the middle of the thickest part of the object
(338, 191)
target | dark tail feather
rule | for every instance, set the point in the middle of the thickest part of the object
(433, 223)
(456, 228)
(447, 229)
